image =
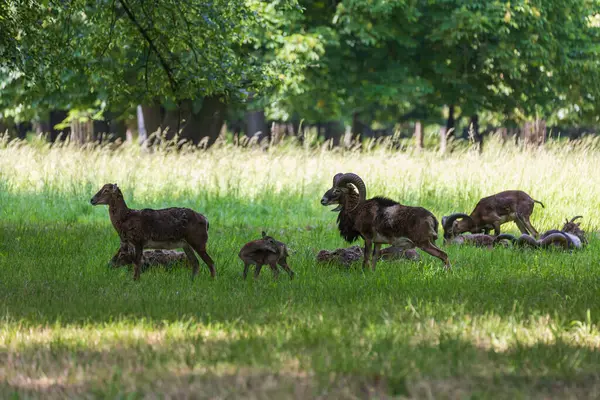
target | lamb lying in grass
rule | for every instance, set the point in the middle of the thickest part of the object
(570, 237)
(478, 240)
(150, 258)
(346, 256)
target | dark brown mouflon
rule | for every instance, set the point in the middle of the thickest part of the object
(380, 220)
(168, 229)
(491, 212)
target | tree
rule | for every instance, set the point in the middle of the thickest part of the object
(179, 54)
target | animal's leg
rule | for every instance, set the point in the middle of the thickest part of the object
(521, 225)
(257, 271)
(287, 268)
(376, 255)
(532, 230)
(496, 226)
(189, 253)
(367, 252)
(274, 269)
(436, 252)
(200, 247)
(138, 250)
(246, 268)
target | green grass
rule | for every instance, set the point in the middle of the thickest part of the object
(505, 323)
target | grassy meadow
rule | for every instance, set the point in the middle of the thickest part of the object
(505, 323)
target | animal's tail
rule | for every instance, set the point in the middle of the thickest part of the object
(539, 202)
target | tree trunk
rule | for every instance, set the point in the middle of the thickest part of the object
(56, 117)
(82, 132)
(443, 140)
(151, 115)
(334, 130)
(356, 128)
(141, 123)
(23, 128)
(206, 125)
(173, 119)
(534, 133)
(296, 128)
(256, 125)
(360, 128)
(474, 133)
(3, 127)
(503, 134)
(419, 142)
(117, 127)
(41, 126)
(101, 129)
(451, 122)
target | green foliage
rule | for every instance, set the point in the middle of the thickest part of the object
(313, 59)
(128, 52)
(516, 59)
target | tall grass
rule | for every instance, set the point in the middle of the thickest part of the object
(505, 323)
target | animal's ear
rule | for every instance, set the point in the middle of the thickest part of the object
(264, 234)
(444, 219)
(337, 178)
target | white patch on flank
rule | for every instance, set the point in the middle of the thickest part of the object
(507, 218)
(381, 239)
(403, 243)
(391, 212)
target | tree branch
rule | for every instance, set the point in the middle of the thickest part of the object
(112, 28)
(153, 48)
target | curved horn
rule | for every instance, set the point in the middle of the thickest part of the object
(556, 238)
(550, 232)
(449, 220)
(505, 236)
(526, 240)
(575, 218)
(356, 181)
(336, 178)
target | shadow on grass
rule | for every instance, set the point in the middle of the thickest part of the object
(269, 367)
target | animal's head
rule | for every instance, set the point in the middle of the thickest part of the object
(104, 195)
(123, 257)
(343, 185)
(455, 224)
(574, 228)
(275, 245)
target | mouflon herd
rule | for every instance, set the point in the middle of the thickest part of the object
(149, 237)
